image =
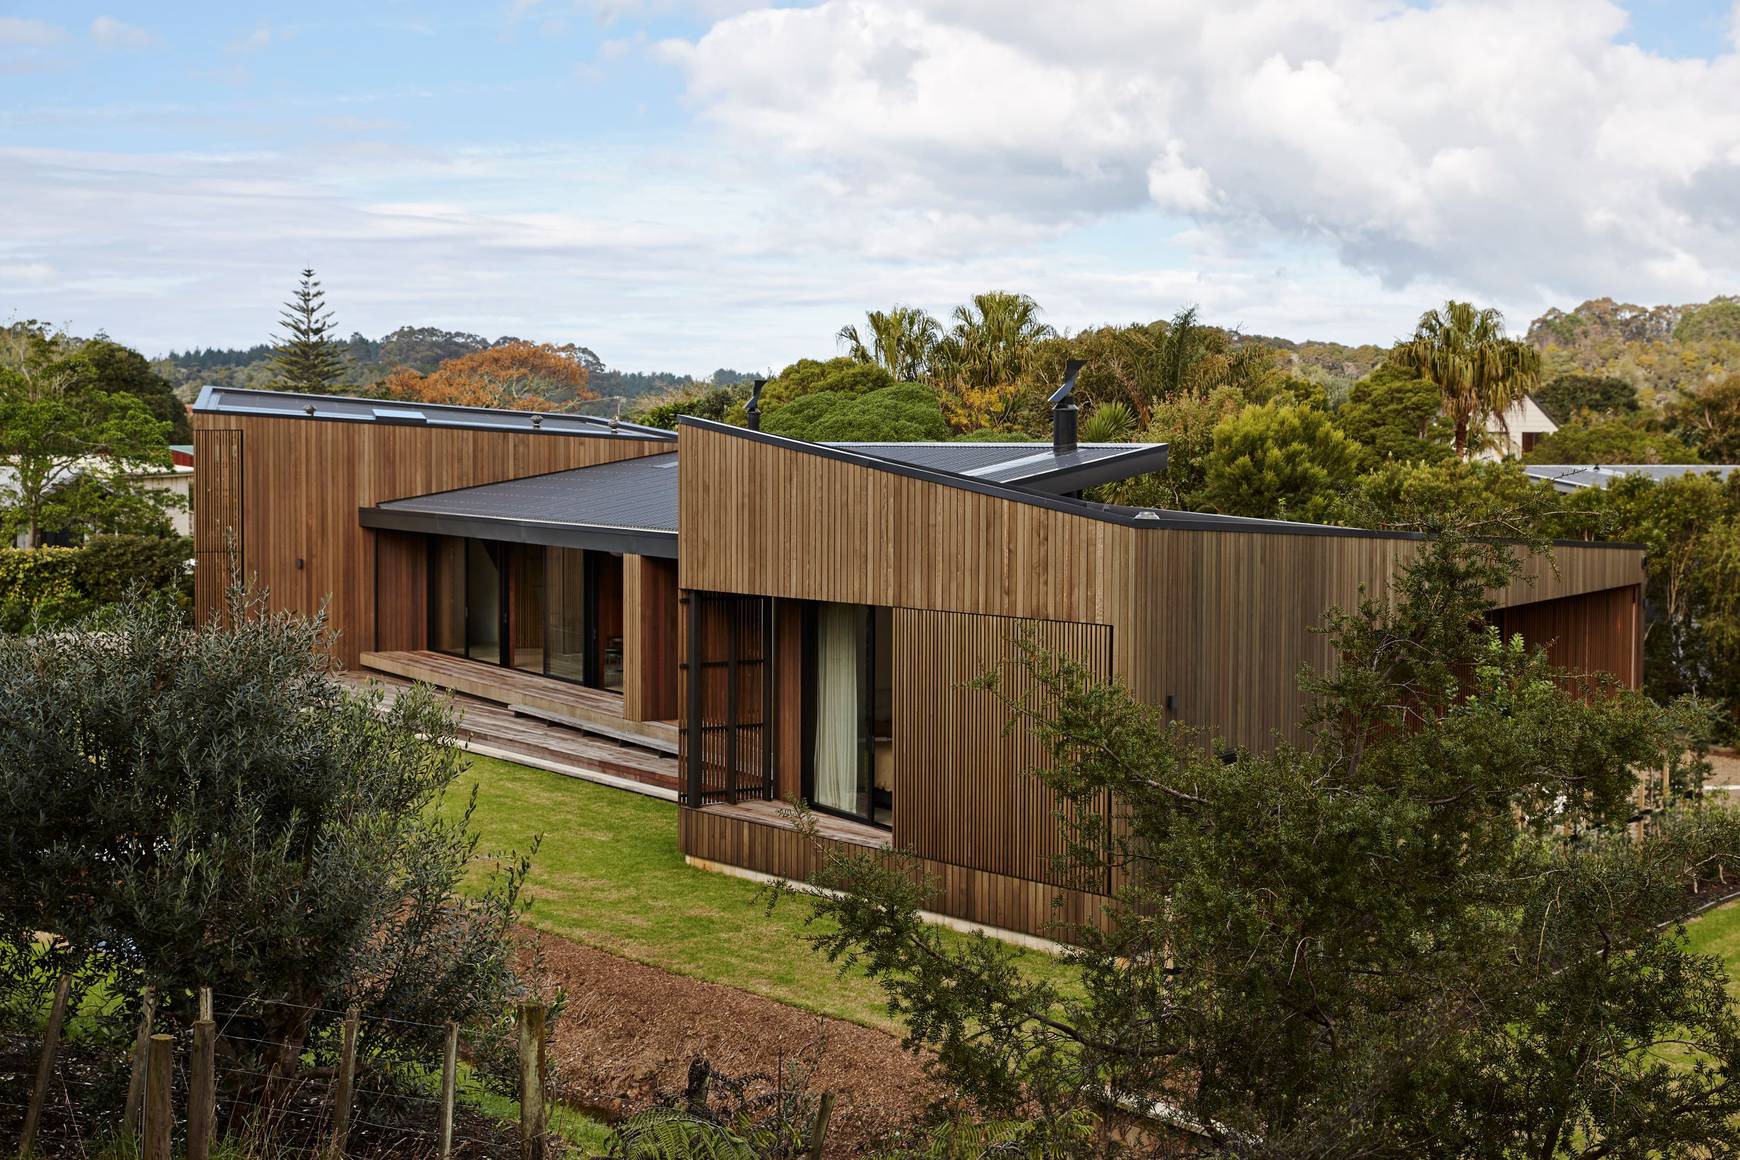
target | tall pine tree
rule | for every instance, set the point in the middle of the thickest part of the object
(305, 358)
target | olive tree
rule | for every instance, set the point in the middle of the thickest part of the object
(187, 808)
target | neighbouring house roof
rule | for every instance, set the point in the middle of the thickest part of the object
(1030, 465)
(626, 506)
(287, 404)
(1577, 476)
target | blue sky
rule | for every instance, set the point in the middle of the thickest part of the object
(686, 184)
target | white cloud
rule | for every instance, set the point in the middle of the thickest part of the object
(112, 33)
(1515, 149)
(18, 31)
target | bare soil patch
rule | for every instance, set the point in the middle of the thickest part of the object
(631, 1032)
(1724, 768)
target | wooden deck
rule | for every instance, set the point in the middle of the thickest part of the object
(780, 814)
(509, 687)
(494, 729)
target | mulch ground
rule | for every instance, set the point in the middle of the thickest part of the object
(631, 1032)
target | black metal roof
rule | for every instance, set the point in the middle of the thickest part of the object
(1030, 465)
(344, 408)
(626, 506)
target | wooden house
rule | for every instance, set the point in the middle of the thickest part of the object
(803, 619)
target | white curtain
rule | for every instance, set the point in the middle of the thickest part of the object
(839, 670)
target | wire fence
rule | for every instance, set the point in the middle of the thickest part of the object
(274, 1077)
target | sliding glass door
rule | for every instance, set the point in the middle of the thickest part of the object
(556, 612)
(850, 730)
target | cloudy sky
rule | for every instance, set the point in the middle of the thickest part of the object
(687, 184)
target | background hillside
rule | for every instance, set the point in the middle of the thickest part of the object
(1660, 351)
(368, 361)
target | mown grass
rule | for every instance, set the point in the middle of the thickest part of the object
(1718, 933)
(609, 875)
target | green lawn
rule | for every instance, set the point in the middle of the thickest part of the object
(609, 874)
(1718, 933)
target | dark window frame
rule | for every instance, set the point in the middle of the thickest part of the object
(879, 799)
(592, 646)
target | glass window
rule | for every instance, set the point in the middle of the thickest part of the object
(607, 616)
(565, 614)
(852, 715)
(447, 595)
(483, 601)
(526, 619)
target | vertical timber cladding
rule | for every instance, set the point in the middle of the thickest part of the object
(1597, 632)
(1220, 621)
(303, 480)
(217, 517)
(726, 732)
(965, 791)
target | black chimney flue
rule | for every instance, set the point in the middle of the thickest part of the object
(1064, 412)
(754, 409)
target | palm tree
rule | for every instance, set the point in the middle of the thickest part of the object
(900, 340)
(1478, 371)
(988, 345)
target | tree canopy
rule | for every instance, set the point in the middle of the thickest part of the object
(70, 443)
(1278, 461)
(1422, 931)
(1479, 372)
(307, 357)
(526, 376)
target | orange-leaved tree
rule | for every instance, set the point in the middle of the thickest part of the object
(526, 376)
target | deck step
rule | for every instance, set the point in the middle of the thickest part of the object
(620, 736)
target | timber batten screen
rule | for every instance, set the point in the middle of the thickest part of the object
(966, 788)
(726, 731)
(217, 517)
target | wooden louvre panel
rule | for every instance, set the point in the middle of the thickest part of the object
(217, 517)
(965, 789)
(725, 732)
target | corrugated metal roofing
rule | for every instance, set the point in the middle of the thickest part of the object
(1576, 476)
(632, 494)
(1029, 464)
(289, 405)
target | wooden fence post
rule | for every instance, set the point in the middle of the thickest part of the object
(532, 1081)
(819, 1136)
(449, 1087)
(136, 1081)
(159, 1096)
(346, 1082)
(45, 1065)
(202, 1082)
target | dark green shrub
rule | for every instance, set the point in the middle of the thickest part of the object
(109, 568)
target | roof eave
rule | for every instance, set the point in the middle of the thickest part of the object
(597, 537)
